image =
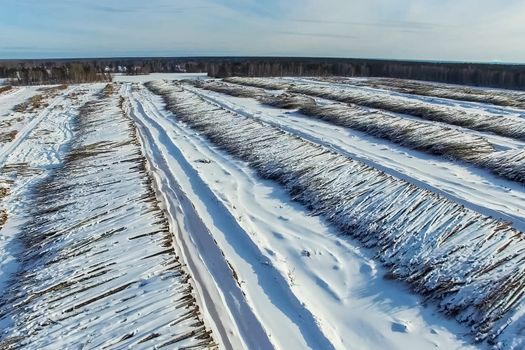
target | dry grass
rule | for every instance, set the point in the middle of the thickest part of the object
(34, 103)
(8, 136)
(260, 82)
(430, 138)
(3, 217)
(21, 169)
(4, 192)
(53, 89)
(284, 100)
(39, 101)
(287, 101)
(232, 90)
(460, 93)
(108, 90)
(5, 88)
(54, 237)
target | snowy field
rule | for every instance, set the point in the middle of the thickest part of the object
(179, 212)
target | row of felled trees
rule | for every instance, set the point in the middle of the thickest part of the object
(66, 74)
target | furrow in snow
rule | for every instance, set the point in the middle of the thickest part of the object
(98, 267)
(239, 270)
(470, 264)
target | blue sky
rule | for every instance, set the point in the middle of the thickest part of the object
(457, 30)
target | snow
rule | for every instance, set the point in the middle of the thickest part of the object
(508, 124)
(13, 97)
(335, 280)
(468, 185)
(425, 239)
(413, 134)
(196, 218)
(98, 268)
(143, 78)
(37, 147)
(467, 95)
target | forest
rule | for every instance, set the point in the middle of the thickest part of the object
(30, 72)
(70, 73)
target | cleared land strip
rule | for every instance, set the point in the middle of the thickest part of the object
(37, 151)
(329, 275)
(98, 265)
(434, 139)
(508, 126)
(471, 265)
(183, 194)
(454, 92)
(459, 182)
(44, 110)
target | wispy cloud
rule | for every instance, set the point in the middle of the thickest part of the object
(479, 30)
(376, 24)
(169, 8)
(320, 35)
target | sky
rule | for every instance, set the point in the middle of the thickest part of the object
(446, 30)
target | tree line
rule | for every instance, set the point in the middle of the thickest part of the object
(87, 70)
(507, 76)
(66, 74)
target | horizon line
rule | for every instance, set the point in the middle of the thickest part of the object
(437, 61)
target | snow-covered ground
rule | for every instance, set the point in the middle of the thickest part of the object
(468, 185)
(96, 263)
(39, 145)
(167, 215)
(157, 76)
(308, 286)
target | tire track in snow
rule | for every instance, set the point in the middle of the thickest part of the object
(222, 219)
(29, 127)
(338, 295)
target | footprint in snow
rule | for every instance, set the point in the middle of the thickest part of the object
(366, 269)
(278, 235)
(270, 252)
(399, 327)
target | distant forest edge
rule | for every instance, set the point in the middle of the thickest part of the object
(46, 73)
(29, 72)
